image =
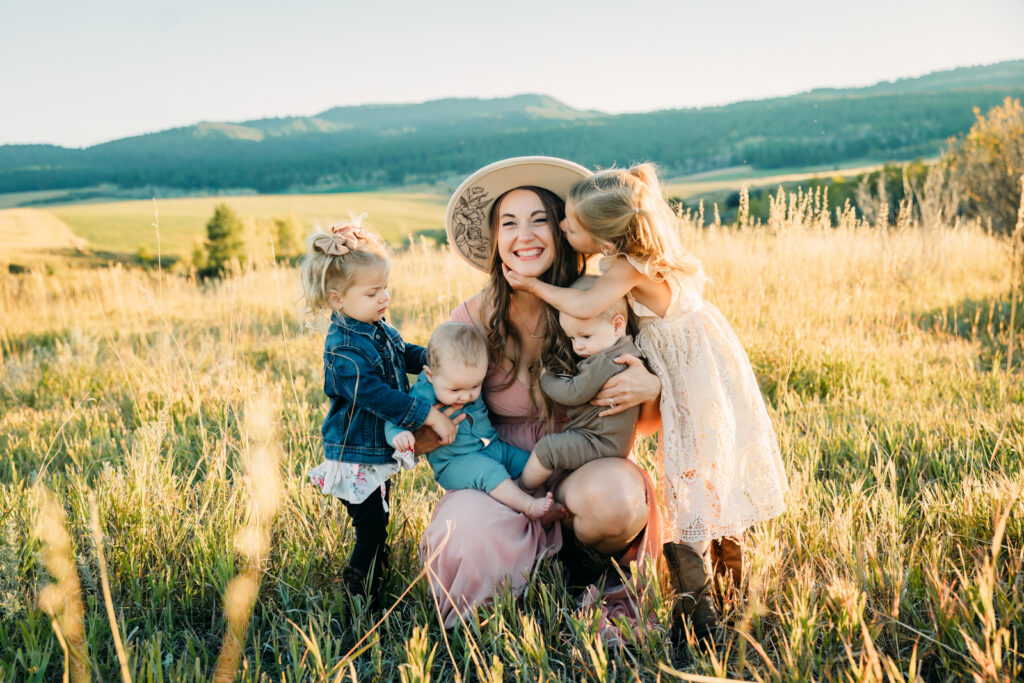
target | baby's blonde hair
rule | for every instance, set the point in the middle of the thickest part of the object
(459, 342)
(619, 307)
(322, 272)
(626, 209)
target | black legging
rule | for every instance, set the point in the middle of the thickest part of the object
(371, 524)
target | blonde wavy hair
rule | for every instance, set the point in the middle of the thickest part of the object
(323, 268)
(626, 209)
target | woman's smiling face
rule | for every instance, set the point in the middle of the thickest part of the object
(525, 234)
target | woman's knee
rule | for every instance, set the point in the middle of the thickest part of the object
(608, 501)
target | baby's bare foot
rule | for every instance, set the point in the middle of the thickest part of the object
(540, 506)
(556, 513)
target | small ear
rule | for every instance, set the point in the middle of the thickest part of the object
(427, 372)
(334, 299)
(619, 323)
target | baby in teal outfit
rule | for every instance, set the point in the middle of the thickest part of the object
(476, 459)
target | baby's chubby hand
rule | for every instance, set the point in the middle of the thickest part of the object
(445, 428)
(519, 282)
(404, 441)
(427, 439)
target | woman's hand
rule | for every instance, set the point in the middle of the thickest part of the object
(631, 387)
(427, 439)
(519, 282)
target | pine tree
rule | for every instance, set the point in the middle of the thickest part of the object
(224, 240)
(287, 238)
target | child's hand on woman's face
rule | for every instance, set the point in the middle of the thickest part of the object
(517, 281)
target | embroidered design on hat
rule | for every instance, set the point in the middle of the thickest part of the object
(468, 219)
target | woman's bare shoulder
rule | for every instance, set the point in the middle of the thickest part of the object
(471, 310)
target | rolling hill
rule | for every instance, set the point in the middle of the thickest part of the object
(372, 146)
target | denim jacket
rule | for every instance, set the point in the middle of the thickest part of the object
(365, 366)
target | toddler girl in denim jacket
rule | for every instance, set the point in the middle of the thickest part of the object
(345, 271)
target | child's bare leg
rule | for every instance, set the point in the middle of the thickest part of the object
(508, 493)
(534, 474)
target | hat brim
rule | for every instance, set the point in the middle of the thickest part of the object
(466, 221)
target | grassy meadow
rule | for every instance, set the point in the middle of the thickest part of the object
(714, 183)
(174, 423)
(106, 231)
(123, 227)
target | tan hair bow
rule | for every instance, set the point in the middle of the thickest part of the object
(343, 239)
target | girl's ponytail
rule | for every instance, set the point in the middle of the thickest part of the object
(626, 209)
(647, 175)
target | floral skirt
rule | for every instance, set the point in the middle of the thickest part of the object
(354, 481)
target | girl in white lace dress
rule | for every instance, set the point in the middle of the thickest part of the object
(721, 466)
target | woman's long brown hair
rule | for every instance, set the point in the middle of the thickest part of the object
(502, 336)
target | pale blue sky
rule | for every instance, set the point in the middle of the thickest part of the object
(78, 73)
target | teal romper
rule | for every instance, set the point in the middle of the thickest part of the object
(477, 459)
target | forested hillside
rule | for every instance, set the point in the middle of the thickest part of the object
(390, 145)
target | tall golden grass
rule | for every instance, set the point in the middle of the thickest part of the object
(884, 355)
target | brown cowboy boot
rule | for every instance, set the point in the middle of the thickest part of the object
(727, 562)
(691, 578)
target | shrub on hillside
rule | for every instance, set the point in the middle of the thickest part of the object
(989, 162)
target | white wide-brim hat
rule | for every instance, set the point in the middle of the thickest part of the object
(467, 219)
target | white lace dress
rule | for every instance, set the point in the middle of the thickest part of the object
(722, 471)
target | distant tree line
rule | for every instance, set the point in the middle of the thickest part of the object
(978, 176)
(795, 131)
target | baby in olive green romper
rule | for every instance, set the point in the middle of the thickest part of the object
(587, 436)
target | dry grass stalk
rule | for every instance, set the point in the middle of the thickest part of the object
(97, 536)
(874, 204)
(938, 197)
(263, 476)
(989, 655)
(418, 658)
(62, 600)
(743, 214)
(1016, 270)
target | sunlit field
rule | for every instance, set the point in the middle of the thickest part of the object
(118, 230)
(184, 416)
(733, 178)
(123, 227)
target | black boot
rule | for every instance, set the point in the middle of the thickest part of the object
(364, 575)
(583, 565)
(368, 585)
(691, 579)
